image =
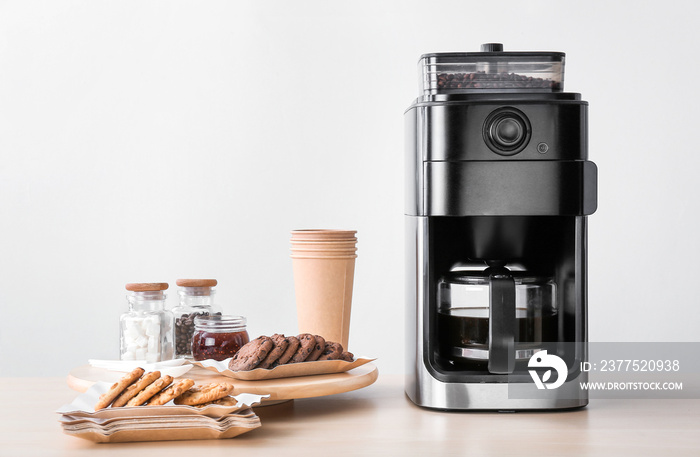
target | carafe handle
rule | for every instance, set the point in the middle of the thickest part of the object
(501, 322)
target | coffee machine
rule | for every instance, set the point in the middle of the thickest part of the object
(498, 190)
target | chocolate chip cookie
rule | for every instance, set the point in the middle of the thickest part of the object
(332, 351)
(291, 350)
(251, 354)
(281, 344)
(318, 349)
(306, 346)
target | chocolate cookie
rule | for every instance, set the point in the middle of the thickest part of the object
(291, 350)
(306, 346)
(318, 349)
(251, 354)
(332, 351)
(281, 344)
(347, 356)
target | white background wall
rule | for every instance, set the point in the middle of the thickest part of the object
(153, 140)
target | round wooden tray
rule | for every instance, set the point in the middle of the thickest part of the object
(81, 378)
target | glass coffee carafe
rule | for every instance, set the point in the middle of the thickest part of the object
(492, 318)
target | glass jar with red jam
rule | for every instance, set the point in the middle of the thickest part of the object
(218, 337)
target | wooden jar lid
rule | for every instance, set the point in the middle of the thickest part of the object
(196, 282)
(146, 286)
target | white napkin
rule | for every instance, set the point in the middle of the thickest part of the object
(174, 368)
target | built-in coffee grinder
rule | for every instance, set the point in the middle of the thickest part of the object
(498, 187)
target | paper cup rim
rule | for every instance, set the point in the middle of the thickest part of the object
(325, 257)
(322, 254)
(326, 240)
(331, 231)
(323, 234)
(329, 244)
(323, 240)
(321, 248)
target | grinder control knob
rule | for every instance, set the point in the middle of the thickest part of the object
(507, 131)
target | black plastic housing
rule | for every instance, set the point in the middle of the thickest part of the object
(456, 173)
(526, 207)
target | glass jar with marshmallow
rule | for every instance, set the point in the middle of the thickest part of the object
(146, 330)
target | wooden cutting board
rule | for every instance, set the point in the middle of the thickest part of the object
(81, 378)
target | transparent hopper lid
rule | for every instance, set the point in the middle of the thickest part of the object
(491, 70)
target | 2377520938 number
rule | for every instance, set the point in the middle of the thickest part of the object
(639, 365)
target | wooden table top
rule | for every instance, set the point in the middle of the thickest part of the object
(81, 378)
(376, 420)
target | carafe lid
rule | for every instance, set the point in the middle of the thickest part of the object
(482, 277)
(491, 70)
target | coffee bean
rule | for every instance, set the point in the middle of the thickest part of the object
(184, 329)
(502, 80)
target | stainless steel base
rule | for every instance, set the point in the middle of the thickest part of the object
(426, 391)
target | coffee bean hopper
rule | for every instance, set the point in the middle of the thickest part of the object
(498, 187)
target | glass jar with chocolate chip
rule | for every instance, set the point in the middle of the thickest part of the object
(196, 299)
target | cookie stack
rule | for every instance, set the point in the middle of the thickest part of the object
(271, 351)
(139, 388)
(215, 414)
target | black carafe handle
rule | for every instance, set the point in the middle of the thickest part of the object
(501, 322)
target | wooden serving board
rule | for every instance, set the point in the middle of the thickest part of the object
(81, 378)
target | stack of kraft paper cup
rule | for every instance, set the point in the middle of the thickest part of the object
(324, 268)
